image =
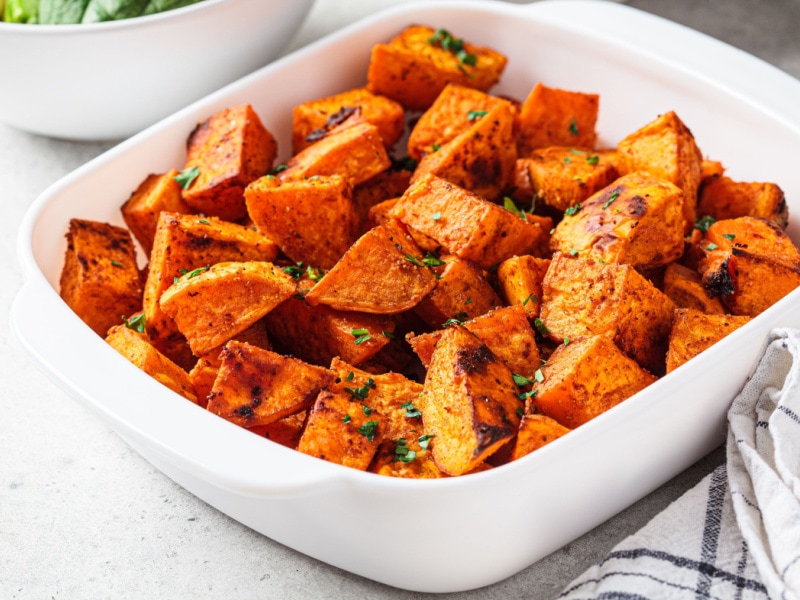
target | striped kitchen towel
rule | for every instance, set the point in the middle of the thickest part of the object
(736, 534)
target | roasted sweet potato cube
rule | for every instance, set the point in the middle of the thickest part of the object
(353, 150)
(455, 110)
(481, 159)
(286, 431)
(557, 117)
(313, 119)
(637, 220)
(135, 346)
(710, 168)
(312, 220)
(317, 334)
(212, 305)
(561, 177)
(534, 432)
(465, 224)
(157, 193)
(583, 298)
(100, 280)
(585, 378)
(339, 430)
(414, 67)
(182, 244)
(258, 387)
(462, 292)
(519, 281)
(203, 375)
(684, 286)
(723, 198)
(469, 403)
(384, 186)
(505, 331)
(382, 273)
(666, 149)
(379, 213)
(694, 331)
(750, 263)
(228, 151)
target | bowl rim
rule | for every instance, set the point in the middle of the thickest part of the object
(37, 29)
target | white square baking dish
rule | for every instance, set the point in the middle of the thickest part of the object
(460, 533)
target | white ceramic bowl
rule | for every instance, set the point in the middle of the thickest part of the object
(105, 81)
(458, 533)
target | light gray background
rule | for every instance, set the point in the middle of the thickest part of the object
(84, 517)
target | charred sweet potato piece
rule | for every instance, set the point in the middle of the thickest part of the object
(637, 220)
(534, 432)
(212, 305)
(157, 193)
(666, 149)
(313, 119)
(339, 430)
(354, 150)
(583, 298)
(749, 264)
(557, 117)
(258, 387)
(100, 280)
(462, 292)
(312, 220)
(228, 151)
(562, 177)
(481, 159)
(416, 65)
(519, 281)
(182, 244)
(723, 198)
(381, 273)
(693, 331)
(135, 346)
(505, 331)
(465, 224)
(684, 286)
(455, 110)
(469, 403)
(585, 378)
(317, 334)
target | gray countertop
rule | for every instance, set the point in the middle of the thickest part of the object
(83, 516)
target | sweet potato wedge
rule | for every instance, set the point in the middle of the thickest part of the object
(723, 198)
(258, 387)
(693, 331)
(228, 151)
(534, 432)
(416, 65)
(100, 280)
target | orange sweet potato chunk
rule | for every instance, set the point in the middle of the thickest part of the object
(212, 305)
(557, 117)
(519, 281)
(100, 280)
(469, 403)
(723, 198)
(312, 220)
(465, 224)
(684, 286)
(157, 193)
(383, 187)
(637, 220)
(415, 66)
(258, 387)
(312, 119)
(229, 150)
(693, 331)
(536, 431)
(382, 273)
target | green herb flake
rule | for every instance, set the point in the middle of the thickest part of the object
(474, 115)
(729, 236)
(413, 260)
(281, 167)
(445, 40)
(197, 272)
(531, 298)
(402, 452)
(412, 412)
(567, 160)
(425, 440)
(116, 263)
(366, 410)
(573, 209)
(573, 252)
(350, 376)
(566, 341)
(538, 375)
(573, 127)
(431, 260)
(593, 159)
(346, 419)
(360, 335)
(520, 412)
(314, 274)
(526, 395)
(295, 271)
(436, 216)
(458, 319)
(369, 429)
(204, 221)
(136, 323)
(468, 301)
(361, 393)
(521, 380)
(712, 246)
(704, 222)
(540, 326)
(186, 177)
(613, 197)
(435, 147)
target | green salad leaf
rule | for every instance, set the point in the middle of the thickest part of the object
(21, 11)
(61, 12)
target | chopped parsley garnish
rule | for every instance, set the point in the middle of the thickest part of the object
(445, 40)
(613, 197)
(436, 216)
(346, 419)
(458, 319)
(566, 341)
(361, 393)
(295, 271)
(350, 376)
(136, 323)
(369, 429)
(573, 252)
(314, 274)
(116, 263)
(526, 395)
(301, 294)
(366, 410)
(728, 236)
(191, 274)
(531, 298)
(573, 127)
(521, 380)
(711, 246)
(360, 335)
(704, 222)
(435, 147)
(204, 221)
(538, 375)
(279, 168)
(431, 260)
(567, 160)
(411, 411)
(402, 452)
(474, 115)
(540, 326)
(425, 440)
(573, 209)
(413, 260)
(593, 159)
(186, 177)
(510, 205)
(387, 334)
